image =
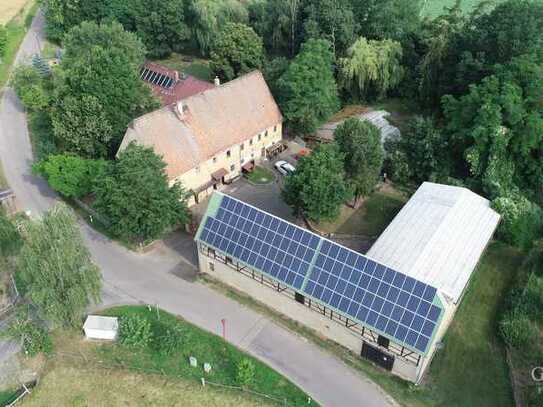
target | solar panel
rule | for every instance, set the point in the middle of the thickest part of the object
(156, 78)
(262, 241)
(392, 303)
(378, 296)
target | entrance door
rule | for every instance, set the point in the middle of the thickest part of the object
(377, 356)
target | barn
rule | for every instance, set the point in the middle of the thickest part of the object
(391, 306)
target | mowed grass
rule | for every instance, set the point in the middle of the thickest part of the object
(260, 175)
(371, 219)
(206, 347)
(194, 66)
(66, 384)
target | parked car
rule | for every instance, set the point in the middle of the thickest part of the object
(284, 168)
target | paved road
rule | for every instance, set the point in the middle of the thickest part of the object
(153, 278)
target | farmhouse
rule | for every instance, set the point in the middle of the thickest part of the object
(391, 306)
(209, 139)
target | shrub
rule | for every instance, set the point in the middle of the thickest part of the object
(135, 331)
(396, 165)
(32, 334)
(245, 372)
(516, 329)
(30, 88)
(71, 175)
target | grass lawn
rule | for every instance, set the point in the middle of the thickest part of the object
(471, 369)
(371, 218)
(194, 66)
(205, 347)
(16, 30)
(260, 175)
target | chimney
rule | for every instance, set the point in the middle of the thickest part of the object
(217, 81)
(176, 76)
(180, 110)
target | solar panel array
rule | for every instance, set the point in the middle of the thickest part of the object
(262, 241)
(156, 78)
(383, 299)
(378, 296)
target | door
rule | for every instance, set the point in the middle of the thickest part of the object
(377, 356)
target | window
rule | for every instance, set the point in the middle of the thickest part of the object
(214, 159)
(251, 142)
(242, 160)
(228, 260)
(228, 153)
(252, 155)
(275, 128)
(211, 266)
(382, 341)
(197, 169)
(241, 147)
(232, 167)
(259, 137)
(299, 297)
(266, 133)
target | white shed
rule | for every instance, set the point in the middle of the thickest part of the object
(99, 327)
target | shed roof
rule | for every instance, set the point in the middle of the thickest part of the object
(438, 237)
(210, 123)
(101, 323)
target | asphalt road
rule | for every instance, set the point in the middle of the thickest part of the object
(152, 278)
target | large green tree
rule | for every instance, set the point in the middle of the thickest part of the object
(135, 197)
(318, 187)
(56, 269)
(497, 128)
(100, 74)
(371, 67)
(360, 143)
(236, 50)
(307, 90)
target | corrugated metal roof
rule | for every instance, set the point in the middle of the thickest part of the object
(438, 237)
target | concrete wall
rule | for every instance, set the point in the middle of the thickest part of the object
(296, 311)
(252, 150)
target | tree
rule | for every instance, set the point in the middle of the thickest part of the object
(3, 41)
(56, 269)
(81, 126)
(237, 50)
(100, 61)
(360, 143)
(29, 86)
(318, 187)
(307, 90)
(424, 147)
(332, 20)
(371, 66)
(135, 197)
(497, 128)
(382, 19)
(71, 175)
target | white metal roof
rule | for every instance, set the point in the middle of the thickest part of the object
(438, 237)
(101, 323)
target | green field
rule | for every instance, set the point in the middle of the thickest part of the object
(433, 8)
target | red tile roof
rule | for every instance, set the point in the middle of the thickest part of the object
(183, 87)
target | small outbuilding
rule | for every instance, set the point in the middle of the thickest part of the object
(100, 327)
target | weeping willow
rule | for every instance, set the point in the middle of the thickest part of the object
(371, 66)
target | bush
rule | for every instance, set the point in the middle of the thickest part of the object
(34, 337)
(135, 331)
(516, 328)
(246, 372)
(71, 175)
(30, 88)
(396, 165)
(522, 220)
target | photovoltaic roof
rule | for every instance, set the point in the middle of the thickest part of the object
(399, 307)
